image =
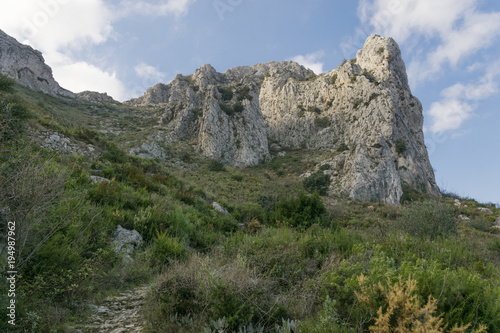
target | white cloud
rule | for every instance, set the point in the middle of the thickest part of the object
(403, 18)
(459, 102)
(169, 7)
(60, 29)
(80, 76)
(311, 61)
(458, 26)
(449, 115)
(149, 73)
(51, 25)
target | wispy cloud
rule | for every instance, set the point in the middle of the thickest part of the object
(162, 8)
(149, 73)
(459, 102)
(80, 76)
(311, 61)
(458, 26)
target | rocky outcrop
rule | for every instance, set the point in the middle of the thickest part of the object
(58, 142)
(92, 96)
(364, 109)
(27, 66)
(125, 241)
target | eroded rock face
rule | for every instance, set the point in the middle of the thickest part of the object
(364, 108)
(27, 66)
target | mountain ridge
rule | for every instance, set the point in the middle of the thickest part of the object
(363, 112)
(364, 108)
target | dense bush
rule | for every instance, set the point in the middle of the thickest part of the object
(13, 116)
(317, 182)
(212, 288)
(401, 146)
(216, 166)
(301, 210)
(226, 93)
(322, 122)
(430, 219)
(333, 79)
(313, 109)
(231, 110)
(6, 84)
(244, 93)
(166, 249)
(114, 154)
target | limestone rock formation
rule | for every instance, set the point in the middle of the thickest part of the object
(364, 108)
(92, 96)
(27, 66)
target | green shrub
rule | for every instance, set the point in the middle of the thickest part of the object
(227, 109)
(237, 177)
(244, 93)
(300, 211)
(322, 122)
(180, 225)
(114, 154)
(333, 79)
(368, 75)
(317, 182)
(238, 107)
(401, 145)
(231, 110)
(410, 194)
(481, 224)
(343, 147)
(105, 193)
(6, 84)
(373, 96)
(166, 249)
(226, 93)
(314, 109)
(430, 219)
(216, 166)
(148, 221)
(311, 77)
(224, 293)
(13, 116)
(249, 211)
(356, 103)
(88, 135)
(325, 167)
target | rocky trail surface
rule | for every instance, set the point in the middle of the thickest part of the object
(118, 314)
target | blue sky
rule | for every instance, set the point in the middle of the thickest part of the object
(451, 49)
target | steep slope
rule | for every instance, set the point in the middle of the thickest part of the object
(27, 66)
(364, 108)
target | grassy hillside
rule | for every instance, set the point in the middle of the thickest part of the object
(285, 260)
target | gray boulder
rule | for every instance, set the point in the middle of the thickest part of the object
(125, 241)
(485, 210)
(219, 208)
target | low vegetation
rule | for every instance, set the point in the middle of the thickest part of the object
(285, 259)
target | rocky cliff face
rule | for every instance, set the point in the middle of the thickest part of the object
(363, 109)
(27, 66)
